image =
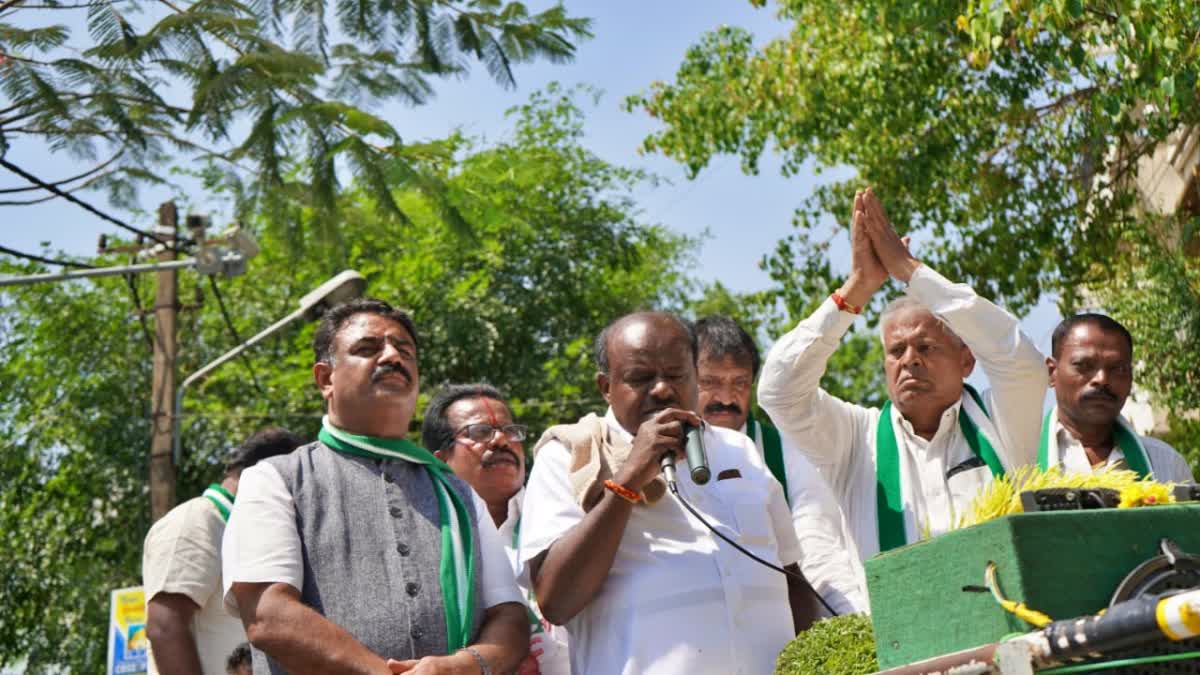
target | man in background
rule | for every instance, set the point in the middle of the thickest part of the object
(470, 427)
(1091, 370)
(189, 631)
(728, 365)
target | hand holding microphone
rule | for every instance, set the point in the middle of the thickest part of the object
(659, 442)
(697, 457)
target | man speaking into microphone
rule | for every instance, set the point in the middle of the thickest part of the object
(642, 585)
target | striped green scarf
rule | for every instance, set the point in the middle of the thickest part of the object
(767, 438)
(889, 500)
(1125, 438)
(221, 498)
(457, 570)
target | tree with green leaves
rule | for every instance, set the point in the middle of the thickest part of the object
(1006, 137)
(555, 250)
(282, 94)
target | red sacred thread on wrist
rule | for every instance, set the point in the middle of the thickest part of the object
(845, 306)
(623, 492)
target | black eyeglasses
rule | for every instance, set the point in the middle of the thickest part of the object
(482, 433)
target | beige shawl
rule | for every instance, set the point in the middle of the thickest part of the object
(596, 454)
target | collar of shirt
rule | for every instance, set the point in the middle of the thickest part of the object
(946, 429)
(513, 518)
(613, 424)
(1074, 457)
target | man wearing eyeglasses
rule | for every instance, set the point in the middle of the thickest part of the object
(471, 429)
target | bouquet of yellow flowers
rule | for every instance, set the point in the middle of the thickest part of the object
(1003, 496)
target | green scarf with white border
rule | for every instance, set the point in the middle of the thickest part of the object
(1124, 437)
(220, 497)
(972, 420)
(457, 569)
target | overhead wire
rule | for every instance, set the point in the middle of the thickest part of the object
(245, 358)
(64, 181)
(86, 206)
(49, 261)
(137, 308)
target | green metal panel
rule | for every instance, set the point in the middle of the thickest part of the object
(1064, 564)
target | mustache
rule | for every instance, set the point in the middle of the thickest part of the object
(389, 368)
(1101, 393)
(715, 407)
(490, 457)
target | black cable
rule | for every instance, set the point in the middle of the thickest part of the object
(48, 261)
(137, 308)
(798, 577)
(82, 204)
(233, 332)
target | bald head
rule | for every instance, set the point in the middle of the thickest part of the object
(646, 362)
(657, 321)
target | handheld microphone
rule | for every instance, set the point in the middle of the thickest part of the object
(697, 458)
(668, 468)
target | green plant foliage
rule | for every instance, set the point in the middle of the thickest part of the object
(1005, 136)
(555, 251)
(843, 645)
(277, 92)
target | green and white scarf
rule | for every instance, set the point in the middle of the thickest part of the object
(889, 500)
(221, 498)
(1124, 437)
(457, 569)
(766, 437)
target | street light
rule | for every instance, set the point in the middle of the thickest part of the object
(345, 286)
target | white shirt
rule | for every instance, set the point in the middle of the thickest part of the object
(1167, 465)
(262, 544)
(828, 559)
(182, 554)
(677, 599)
(839, 437)
(552, 644)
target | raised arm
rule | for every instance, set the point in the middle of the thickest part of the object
(789, 386)
(1016, 370)
(831, 560)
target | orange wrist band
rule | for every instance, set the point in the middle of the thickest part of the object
(623, 492)
(845, 306)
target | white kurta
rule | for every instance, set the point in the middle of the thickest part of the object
(550, 647)
(677, 599)
(828, 560)
(182, 554)
(839, 437)
(1167, 465)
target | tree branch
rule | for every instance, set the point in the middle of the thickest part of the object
(1073, 97)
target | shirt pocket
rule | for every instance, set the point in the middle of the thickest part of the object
(751, 517)
(965, 486)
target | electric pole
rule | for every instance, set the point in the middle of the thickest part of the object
(166, 305)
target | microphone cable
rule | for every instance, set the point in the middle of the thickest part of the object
(798, 577)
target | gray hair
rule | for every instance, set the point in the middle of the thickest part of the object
(904, 304)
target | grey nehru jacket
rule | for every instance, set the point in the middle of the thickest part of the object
(370, 534)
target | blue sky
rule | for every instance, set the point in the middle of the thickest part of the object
(635, 43)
